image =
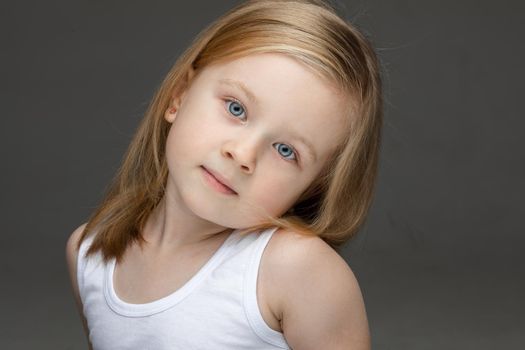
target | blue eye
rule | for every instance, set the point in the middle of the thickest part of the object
(235, 108)
(286, 151)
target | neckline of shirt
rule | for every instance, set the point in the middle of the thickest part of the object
(146, 309)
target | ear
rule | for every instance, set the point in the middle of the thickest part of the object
(171, 111)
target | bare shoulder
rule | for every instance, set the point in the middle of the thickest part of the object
(71, 259)
(71, 246)
(319, 300)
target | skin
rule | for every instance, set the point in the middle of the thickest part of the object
(305, 289)
(249, 146)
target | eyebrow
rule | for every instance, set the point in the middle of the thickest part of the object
(251, 96)
(240, 85)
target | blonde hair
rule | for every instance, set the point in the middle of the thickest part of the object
(335, 205)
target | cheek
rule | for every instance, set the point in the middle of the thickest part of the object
(277, 195)
(187, 138)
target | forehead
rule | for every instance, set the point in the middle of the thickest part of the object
(285, 95)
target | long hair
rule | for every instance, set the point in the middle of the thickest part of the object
(335, 205)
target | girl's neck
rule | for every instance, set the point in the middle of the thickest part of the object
(170, 227)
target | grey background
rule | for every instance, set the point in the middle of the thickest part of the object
(439, 260)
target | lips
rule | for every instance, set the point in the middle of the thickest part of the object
(220, 179)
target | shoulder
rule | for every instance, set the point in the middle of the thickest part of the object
(71, 245)
(318, 299)
(71, 259)
(72, 255)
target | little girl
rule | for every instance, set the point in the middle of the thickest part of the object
(255, 161)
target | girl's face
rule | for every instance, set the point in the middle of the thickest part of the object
(264, 124)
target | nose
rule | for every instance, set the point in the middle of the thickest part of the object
(243, 152)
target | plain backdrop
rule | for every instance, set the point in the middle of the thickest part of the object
(439, 260)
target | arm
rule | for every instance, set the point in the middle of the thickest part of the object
(322, 306)
(71, 258)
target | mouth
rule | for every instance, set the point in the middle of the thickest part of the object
(217, 182)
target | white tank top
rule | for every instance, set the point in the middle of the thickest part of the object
(216, 309)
